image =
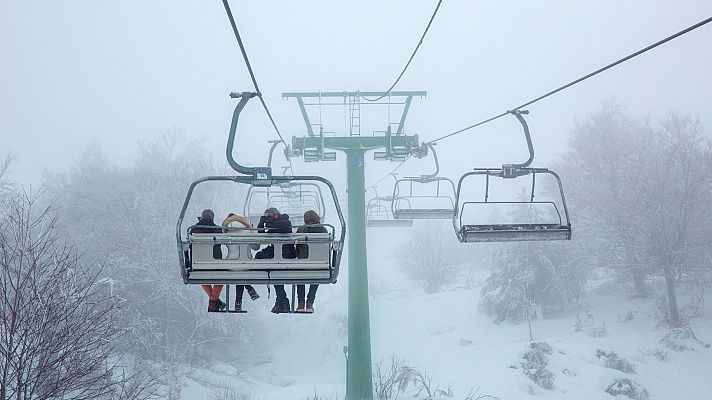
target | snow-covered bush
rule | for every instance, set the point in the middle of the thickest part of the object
(389, 380)
(228, 393)
(629, 388)
(661, 355)
(682, 339)
(587, 323)
(535, 361)
(612, 360)
(319, 396)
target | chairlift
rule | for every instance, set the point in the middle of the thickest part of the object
(379, 215)
(197, 265)
(425, 196)
(551, 227)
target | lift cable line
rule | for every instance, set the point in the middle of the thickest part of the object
(393, 171)
(579, 80)
(387, 92)
(252, 73)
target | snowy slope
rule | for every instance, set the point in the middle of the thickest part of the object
(446, 336)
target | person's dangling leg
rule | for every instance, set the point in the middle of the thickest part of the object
(239, 291)
(213, 304)
(300, 298)
(252, 292)
(281, 304)
(217, 289)
(311, 296)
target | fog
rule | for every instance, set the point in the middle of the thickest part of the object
(118, 73)
(147, 83)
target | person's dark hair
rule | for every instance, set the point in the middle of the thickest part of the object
(207, 214)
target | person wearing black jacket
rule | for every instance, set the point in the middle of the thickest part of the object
(206, 224)
(312, 224)
(274, 222)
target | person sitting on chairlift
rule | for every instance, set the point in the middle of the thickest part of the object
(233, 252)
(207, 225)
(274, 222)
(312, 224)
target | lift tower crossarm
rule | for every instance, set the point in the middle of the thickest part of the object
(404, 97)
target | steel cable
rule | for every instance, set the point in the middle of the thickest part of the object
(437, 7)
(581, 79)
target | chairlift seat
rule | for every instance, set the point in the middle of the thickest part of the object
(423, 213)
(514, 232)
(389, 223)
(242, 268)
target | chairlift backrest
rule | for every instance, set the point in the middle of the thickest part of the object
(289, 198)
(418, 198)
(378, 214)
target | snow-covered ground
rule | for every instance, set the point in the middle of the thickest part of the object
(445, 335)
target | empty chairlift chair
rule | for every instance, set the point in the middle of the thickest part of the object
(425, 196)
(379, 215)
(528, 218)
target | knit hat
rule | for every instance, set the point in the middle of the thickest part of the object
(272, 210)
(207, 215)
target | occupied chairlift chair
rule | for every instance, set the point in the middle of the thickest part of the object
(379, 215)
(197, 265)
(520, 231)
(433, 200)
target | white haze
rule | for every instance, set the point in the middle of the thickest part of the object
(117, 73)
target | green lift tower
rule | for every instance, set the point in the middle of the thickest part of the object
(393, 145)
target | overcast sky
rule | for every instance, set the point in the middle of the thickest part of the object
(120, 72)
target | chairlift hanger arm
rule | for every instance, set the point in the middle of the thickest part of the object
(275, 143)
(518, 114)
(422, 151)
(244, 98)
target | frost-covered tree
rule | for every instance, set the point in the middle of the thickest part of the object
(531, 278)
(5, 184)
(640, 195)
(432, 256)
(126, 217)
(60, 328)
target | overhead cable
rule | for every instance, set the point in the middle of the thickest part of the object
(574, 82)
(387, 92)
(393, 171)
